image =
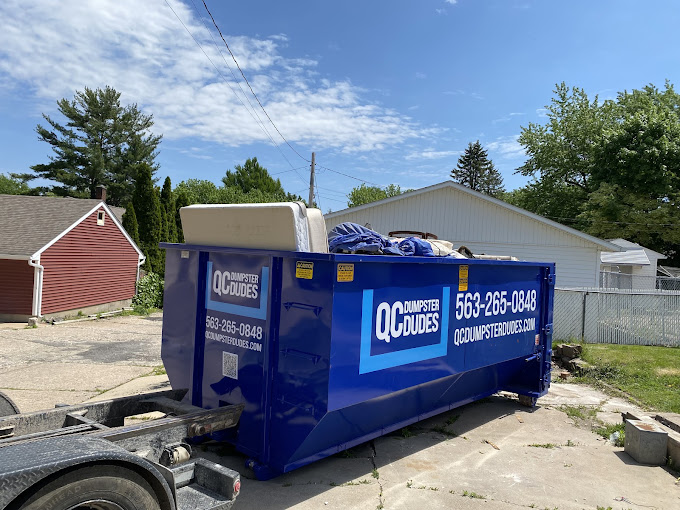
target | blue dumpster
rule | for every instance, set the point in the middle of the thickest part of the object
(327, 351)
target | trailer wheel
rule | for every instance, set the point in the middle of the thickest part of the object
(95, 488)
(7, 407)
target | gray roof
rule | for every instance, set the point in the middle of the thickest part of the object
(28, 223)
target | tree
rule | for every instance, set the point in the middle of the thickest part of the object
(10, 185)
(130, 223)
(565, 148)
(252, 176)
(181, 201)
(102, 142)
(552, 199)
(476, 171)
(619, 160)
(168, 206)
(366, 194)
(147, 208)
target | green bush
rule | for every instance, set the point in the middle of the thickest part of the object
(149, 293)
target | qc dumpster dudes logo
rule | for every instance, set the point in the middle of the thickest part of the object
(237, 291)
(401, 326)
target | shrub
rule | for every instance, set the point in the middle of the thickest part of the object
(149, 293)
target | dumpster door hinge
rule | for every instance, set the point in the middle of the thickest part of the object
(551, 279)
(547, 329)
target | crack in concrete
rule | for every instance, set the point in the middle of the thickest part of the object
(381, 501)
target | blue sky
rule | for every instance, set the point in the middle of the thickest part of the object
(384, 91)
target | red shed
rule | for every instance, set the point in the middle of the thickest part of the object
(63, 255)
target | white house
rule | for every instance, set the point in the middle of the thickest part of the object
(485, 225)
(634, 268)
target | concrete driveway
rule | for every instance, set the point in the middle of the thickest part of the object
(492, 454)
(76, 361)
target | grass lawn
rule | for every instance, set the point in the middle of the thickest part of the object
(649, 374)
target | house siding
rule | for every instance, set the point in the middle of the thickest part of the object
(91, 265)
(16, 296)
(484, 227)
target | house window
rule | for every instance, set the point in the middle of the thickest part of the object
(100, 217)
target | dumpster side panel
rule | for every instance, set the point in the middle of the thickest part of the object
(180, 301)
(300, 387)
(406, 325)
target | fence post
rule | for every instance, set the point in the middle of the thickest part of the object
(583, 318)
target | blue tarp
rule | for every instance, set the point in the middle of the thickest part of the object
(350, 237)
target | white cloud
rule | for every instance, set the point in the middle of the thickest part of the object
(507, 146)
(420, 76)
(452, 2)
(542, 112)
(440, 11)
(461, 92)
(142, 50)
(431, 154)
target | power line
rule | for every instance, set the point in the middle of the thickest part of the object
(217, 69)
(253, 113)
(257, 120)
(351, 176)
(328, 190)
(289, 170)
(241, 88)
(335, 200)
(231, 71)
(248, 83)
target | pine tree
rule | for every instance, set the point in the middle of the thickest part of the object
(168, 205)
(148, 210)
(101, 143)
(130, 223)
(181, 201)
(476, 171)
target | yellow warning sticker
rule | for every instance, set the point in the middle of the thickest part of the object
(304, 270)
(462, 278)
(345, 272)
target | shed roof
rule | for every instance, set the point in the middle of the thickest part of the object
(603, 245)
(626, 258)
(29, 223)
(629, 245)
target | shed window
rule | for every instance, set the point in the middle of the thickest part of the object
(100, 217)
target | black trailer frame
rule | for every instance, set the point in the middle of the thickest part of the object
(40, 449)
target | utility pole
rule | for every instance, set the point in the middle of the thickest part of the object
(311, 185)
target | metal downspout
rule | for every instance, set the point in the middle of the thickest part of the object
(37, 286)
(140, 261)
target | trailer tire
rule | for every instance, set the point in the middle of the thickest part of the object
(7, 407)
(96, 487)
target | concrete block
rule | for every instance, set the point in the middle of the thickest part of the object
(571, 351)
(33, 322)
(646, 442)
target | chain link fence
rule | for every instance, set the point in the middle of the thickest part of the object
(617, 316)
